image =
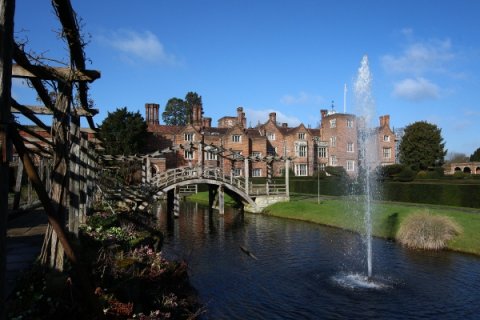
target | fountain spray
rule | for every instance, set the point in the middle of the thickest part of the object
(367, 146)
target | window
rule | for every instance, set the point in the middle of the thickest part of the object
(257, 154)
(237, 172)
(386, 138)
(301, 150)
(189, 136)
(333, 123)
(350, 147)
(333, 141)
(209, 155)
(333, 160)
(349, 123)
(270, 136)
(301, 169)
(387, 153)
(271, 151)
(350, 165)
(256, 172)
(301, 136)
(322, 152)
(322, 166)
(188, 154)
(236, 138)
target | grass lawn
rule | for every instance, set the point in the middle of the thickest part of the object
(386, 217)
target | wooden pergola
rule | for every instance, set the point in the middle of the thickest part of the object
(71, 158)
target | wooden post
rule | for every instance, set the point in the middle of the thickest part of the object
(18, 185)
(221, 200)
(176, 203)
(287, 177)
(7, 12)
(74, 175)
(247, 176)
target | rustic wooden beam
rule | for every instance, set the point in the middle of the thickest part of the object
(54, 73)
(7, 13)
(82, 112)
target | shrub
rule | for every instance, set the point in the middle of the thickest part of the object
(459, 175)
(422, 230)
(405, 175)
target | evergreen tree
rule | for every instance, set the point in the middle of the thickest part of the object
(475, 156)
(123, 132)
(191, 99)
(422, 146)
(176, 113)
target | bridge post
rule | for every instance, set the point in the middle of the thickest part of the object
(221, 200)
(176, 204)
(247, 176)
(287, 177)
(149, 170)
(170, 202)
(211, 195)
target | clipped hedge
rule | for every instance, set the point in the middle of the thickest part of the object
(459, 195)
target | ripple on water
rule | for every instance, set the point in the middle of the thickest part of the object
(357, 281)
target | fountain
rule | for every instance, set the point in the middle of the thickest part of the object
(368, 149)
(368, 157)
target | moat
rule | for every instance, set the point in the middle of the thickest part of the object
(293, 270)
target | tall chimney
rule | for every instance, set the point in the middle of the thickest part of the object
(272, 116)
(324, 113)
(386, 120)
(151, 113)
(207, 122)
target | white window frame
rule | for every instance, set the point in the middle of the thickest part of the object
(333, 123)
(256, 172)
(350, 147)
(189, 136)
(237, 172)
(188, 154)
(350, 165)
(236, 138)
(209, 155)
(257, 154)
(301, 169)
(387, 153)
(271, 136)
(322, 152)
(301, 136)
(349, 123)
(301, 150)
(333, 141)
(333, 160)
(386, 138)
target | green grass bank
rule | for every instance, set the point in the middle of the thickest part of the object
(347, 214)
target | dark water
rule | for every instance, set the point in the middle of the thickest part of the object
(300, 271)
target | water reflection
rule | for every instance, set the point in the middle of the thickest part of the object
(294, 276)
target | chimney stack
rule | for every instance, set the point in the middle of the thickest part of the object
(151, 113)
(273, 117)
(207, 122)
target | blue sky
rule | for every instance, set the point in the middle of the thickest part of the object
(289, 56)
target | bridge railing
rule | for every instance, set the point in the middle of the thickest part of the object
(267, 189)
(172, 176)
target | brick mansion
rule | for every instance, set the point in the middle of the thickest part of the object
(335, 143)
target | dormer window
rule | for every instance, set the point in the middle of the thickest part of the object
(301, 136)
(386, 138)
(189, 136)
(236, 138)
(270, 136)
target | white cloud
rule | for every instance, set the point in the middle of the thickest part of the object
(139, 45)
(420, 58)
(301, 99)
(261, 116)
(417, 89)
